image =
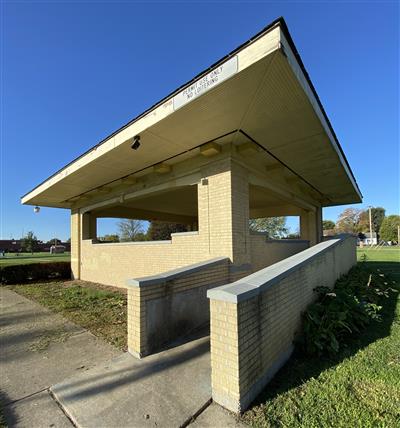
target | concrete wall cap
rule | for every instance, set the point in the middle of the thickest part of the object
(131, 243)
(191, 233)
(287, 241)
(259, 281)
(278, 241)
(172, 274)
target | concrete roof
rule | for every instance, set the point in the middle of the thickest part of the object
(260, 89)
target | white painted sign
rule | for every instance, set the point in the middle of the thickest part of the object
(210, 80)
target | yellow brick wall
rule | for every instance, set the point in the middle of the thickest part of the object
(265, 253)
(252, 339)
(224, 339)
(139, 344)
(75, 244)
(114, 264)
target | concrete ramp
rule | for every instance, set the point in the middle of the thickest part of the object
(163, 390)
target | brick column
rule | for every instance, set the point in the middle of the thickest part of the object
(223, 204)
(241, 251)
(89, 226)
(75, 244)
(320, 233)
(83, 226)
(137, 337)
(311, 225)
(224, 339)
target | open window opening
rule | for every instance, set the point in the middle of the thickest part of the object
(154, 217)
(272, 215)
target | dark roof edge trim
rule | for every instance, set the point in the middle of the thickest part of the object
(303, 68)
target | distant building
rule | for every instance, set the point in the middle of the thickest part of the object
(57, 249)
(15, 246)
(10, 245)
(366, 239)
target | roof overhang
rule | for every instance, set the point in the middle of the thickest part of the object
(260, 89)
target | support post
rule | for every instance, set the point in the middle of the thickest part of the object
(75, 244)
(223, 204)
(311, 226)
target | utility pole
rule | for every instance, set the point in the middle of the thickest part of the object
(370, 225)
(398, 235)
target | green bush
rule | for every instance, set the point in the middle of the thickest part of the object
(348, 308)
(17, 274)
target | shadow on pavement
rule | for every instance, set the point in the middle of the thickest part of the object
(136, 371)
(7, 416)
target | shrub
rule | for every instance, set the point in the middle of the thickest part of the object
(348, 308)
(16, 274)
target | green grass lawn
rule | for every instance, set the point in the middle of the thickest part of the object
(100, 309)
(25, 258)
(360, 387)
(383, 254)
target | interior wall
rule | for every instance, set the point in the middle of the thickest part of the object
(265, 252)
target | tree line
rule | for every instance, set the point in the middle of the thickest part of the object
(133, 230)
(356, 221)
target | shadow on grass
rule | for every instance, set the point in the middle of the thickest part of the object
(8, 417)
(301, 368)
(389, 268)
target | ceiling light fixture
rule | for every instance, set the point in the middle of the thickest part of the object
(136, 142)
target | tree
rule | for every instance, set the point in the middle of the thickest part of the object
(161, 230)
(377, 216)
(348, 220)
(109, 238)
(29, 242)
(129, 229)
(141, 237)
(274, 226)
(389, 227)
(54, 241)
(328, 225)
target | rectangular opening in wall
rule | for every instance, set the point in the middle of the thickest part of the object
(279, 227)
(292, 227)
(271, 214)
(153, 217)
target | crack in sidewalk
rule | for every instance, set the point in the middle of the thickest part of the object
(192, 418)
(25, 397)
(62, 408)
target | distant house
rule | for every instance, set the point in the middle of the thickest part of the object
(15, 246)
(365, 239)
(56, 249)
(10, 245)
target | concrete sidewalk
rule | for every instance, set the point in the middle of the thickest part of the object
(163, 390)
(93, 383)
(169, 389)
(38, 349)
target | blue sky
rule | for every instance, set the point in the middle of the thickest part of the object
(73, 72)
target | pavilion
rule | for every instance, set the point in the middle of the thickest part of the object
(246, 138)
